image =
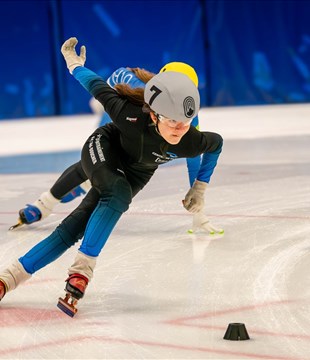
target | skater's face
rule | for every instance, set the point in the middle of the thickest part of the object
(171, 130)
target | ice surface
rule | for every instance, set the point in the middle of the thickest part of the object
(159, 292)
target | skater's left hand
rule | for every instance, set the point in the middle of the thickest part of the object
(72, 59)
(194, 199)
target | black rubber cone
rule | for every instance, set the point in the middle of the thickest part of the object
(236, 331)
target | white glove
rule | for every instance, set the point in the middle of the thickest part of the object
(201, 222)
(68, 51)
(194, 199)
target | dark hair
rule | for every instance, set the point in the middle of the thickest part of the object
(136, 96)
(142, 74)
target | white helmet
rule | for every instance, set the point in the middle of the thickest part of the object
(172, 95)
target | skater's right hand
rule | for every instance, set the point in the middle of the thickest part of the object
(194, 199)
(72, 59)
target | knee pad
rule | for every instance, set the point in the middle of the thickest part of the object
(114, 189)
(120, 195)
(71, 229)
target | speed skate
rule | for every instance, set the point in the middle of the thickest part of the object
(17, 225)
(75, 289)
(68, 304)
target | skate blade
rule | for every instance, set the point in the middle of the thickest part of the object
(67, 308)
(19, 224)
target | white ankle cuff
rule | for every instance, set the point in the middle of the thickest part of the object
(84, 265)
(14, 275)
(86, 185)
(46, 203)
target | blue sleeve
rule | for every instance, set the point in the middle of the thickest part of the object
(208, 164)
(122, 75)
(85, 77)
(125, 76)
(193, 164)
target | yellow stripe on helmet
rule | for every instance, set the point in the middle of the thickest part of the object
(182, 68)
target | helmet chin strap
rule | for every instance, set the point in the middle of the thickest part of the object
(156, 124)
(156, 127)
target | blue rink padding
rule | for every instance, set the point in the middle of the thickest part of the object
(38, 163)
(55, 162)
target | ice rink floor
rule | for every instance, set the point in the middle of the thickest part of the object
(158, 291)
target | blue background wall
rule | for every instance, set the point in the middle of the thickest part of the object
(245, 52)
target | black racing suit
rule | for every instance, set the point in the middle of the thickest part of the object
(119, 159)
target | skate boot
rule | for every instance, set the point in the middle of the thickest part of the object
(3, 288)
(75, 289)
(30, 214)
(37, 211)
(76, 192)
(27, 215)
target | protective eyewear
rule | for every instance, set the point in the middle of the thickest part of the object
(172, 123)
